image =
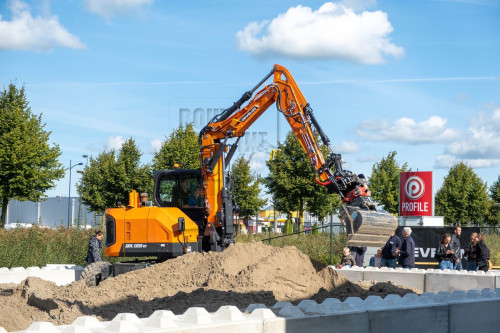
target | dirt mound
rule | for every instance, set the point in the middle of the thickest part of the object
(245, 273)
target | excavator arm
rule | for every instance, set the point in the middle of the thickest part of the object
(233, 122)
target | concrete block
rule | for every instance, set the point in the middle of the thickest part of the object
(229, 313)
(120, 326)
(262, 314)
(351, 274)
(436, 319)
(197, 316)
(337, 308)
(42, 327)
(475, 316)
(345, 323)
(160, 319)
(13, 275)
(435, 282)
(252, 307)
(310, 307)
(87, 321)
(76, 329)
(329, 302)
(399, 276)
(280, 305)
(291, 311)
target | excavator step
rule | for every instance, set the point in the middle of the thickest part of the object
(369, 228)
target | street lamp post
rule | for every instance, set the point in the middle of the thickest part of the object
(69, 190)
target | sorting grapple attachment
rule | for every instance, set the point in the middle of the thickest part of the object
(367, 227)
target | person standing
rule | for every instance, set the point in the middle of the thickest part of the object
(358, 253)
(482, 253)
(470, 252)
(407, 252)
(95, 245)
(444, 253)
(390, 251)
(455, 245)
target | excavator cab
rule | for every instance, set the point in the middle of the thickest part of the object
(182, 189)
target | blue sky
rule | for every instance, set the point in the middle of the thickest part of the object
(418, 77)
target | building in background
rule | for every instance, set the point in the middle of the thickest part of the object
(51, 212)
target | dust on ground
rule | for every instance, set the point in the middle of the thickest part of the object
(244, 274)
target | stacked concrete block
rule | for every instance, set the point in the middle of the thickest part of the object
(430, 280)
(409, 278)
(59, 274)
(458, 280)
(351, 274)
(13, 275)
(443, 312)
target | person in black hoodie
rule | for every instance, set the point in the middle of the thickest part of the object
(482, 254)
(444, 253)
(407, 252)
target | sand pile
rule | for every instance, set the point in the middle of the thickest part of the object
(245, 273)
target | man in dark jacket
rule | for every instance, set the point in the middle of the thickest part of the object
(390, 251)
(455, 245)
(359, 254)
(95, 245)
(407, 252)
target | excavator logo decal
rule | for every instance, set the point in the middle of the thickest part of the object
(414, 187)
(249, 113)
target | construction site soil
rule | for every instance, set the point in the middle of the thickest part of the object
(244, 274)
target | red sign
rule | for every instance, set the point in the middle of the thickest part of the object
(415, 193)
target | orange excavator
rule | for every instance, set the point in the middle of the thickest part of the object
(193, 209)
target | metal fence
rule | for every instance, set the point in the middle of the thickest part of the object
(51, 212)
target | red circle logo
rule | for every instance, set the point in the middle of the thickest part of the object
(414, 187)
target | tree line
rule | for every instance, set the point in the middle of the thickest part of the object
(29, 166)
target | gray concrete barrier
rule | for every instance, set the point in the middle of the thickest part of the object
(460, 311)
(430, 280)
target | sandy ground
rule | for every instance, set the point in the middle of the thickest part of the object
(245, 273)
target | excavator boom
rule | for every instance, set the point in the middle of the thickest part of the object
(365, 226)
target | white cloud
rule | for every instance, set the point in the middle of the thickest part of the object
(346, 147)
(257, 161)
(115, 142)
(407, 130)
(155, 145)
(482, 140)
(447, 161)
(108, 8)
(334, 31)
(479, 147)
(25, 32)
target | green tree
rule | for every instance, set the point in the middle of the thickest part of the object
(109, 178)
(463, 198)
(291, 178)
(321, 204)
(29, 165)
(494, 210)
(181, 147)
(384, 182)
(246, 188)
